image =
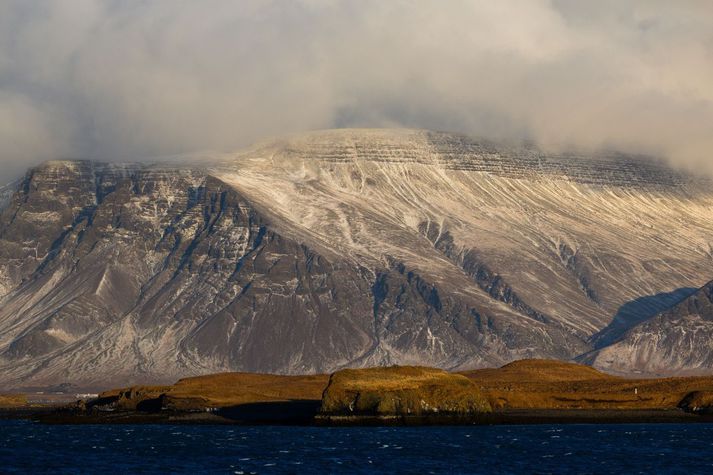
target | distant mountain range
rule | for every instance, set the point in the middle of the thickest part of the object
(352, 248)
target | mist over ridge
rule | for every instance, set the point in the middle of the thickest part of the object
(351, 248)
(130, 80)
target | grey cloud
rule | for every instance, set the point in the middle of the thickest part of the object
(133, 79)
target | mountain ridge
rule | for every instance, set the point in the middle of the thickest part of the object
(676, 337)
(335, 249)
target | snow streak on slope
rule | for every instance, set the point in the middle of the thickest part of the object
(339, 248)
(575, 238)
(6, 192)
(679, 338)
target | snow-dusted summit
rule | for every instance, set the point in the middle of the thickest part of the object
(340, 248)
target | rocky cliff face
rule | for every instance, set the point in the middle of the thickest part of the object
(680, 338)
(335, 249)
(6, 192)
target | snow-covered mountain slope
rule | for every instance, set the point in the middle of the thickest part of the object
(339, 248)
(6, 192)
(575, 238)
(680, 338)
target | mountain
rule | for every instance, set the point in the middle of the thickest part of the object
(339, 248)
(6, 192)
(679, 338)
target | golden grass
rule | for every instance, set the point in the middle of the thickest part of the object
(12, 400)
(401, 390)
(525, 384)
(543, 384)
(538, 371)
(241, 388)
(393, 377)
(225, 389)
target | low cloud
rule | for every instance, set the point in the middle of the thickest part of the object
(131, 79)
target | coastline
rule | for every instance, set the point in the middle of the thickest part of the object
(305, 417)
(524, 392)
(527, 417)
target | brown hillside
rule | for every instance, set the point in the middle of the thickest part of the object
(12, 400)
(539, 371)
(545, 384)
(526, 384)
(401, 390)
(222, 390)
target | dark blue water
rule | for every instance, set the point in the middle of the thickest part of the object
(27, 447)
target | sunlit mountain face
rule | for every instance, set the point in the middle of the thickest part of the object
(349, 248)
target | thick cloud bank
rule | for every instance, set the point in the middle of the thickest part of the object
(127, 79)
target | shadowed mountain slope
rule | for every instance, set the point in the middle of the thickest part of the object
(680, 337)
(335, 249)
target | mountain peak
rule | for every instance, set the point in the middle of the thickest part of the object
(456, 152)
(335, 249)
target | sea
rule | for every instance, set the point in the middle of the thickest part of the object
(29, 447)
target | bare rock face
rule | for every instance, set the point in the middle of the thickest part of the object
(6, 192)
(336, 249)
(698, 402)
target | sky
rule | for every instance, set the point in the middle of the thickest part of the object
(136, 79)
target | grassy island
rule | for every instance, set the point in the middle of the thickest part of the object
(526, 391)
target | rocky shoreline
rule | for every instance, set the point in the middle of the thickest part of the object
(63, 415)
(523, 392)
